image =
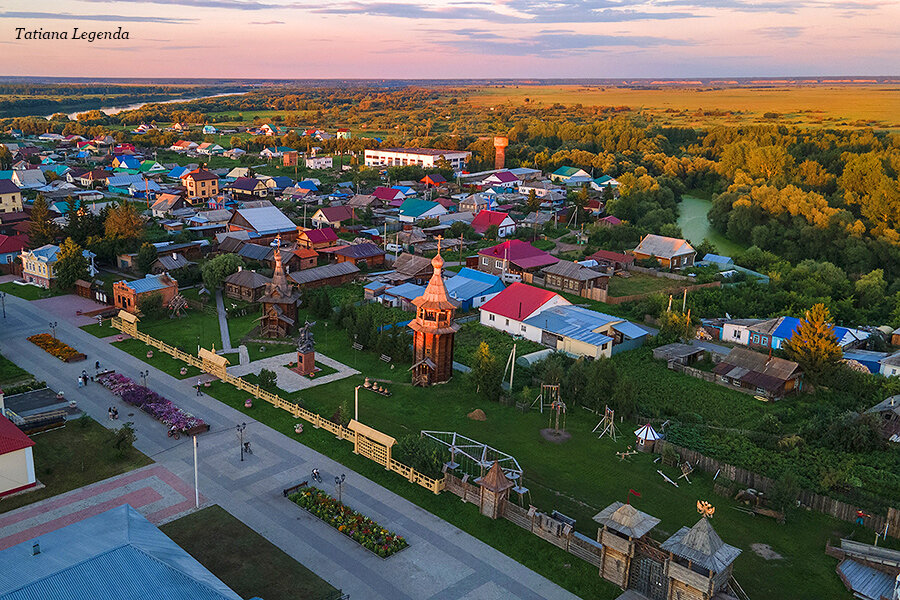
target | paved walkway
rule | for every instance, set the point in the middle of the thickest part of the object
(153, 490)
(288, 380)
(69, 308)
(223, 322)
(442, 561)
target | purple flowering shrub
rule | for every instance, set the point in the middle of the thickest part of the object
(150, 402)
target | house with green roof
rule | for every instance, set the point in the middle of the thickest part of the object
(415, 209)
(567, 174)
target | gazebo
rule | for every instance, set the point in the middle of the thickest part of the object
(646, 438)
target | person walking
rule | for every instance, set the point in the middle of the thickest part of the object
(199, 383)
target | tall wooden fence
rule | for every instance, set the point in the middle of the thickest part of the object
(817, 502)
(317, 421)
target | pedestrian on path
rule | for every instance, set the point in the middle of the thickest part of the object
(199, 383)
(80, 381)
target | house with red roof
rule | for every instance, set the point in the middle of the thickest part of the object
(508, 310)
(11, 246)
(613, 261)
(513, 258)
(433, 180)
(332, 216)
(485, 218)
(501, 179)
(16, 458)
(386, 194)
(317, 238)
(609, 221)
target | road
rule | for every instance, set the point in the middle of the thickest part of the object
(442, 561)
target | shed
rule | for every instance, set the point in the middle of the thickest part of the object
(678, 353)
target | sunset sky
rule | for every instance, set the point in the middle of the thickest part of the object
(456, 38)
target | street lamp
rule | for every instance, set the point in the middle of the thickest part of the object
(240, 430)
(143, 375)
(53, 325)
(339, 482)
(3, 302)
(356, 403)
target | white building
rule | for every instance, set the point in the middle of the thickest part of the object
(508, 310)
(423, 157)
(737, 330)
(319, 162)
(16, 458)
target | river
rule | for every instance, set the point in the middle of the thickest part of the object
(695, 226)
(112, 110)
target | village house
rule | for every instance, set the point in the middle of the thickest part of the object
(332, 216)
(574, 330)
(414, 210)
(317, 239)
(670, 253)
(333, 275)
(411, 268)
(245, 285)
(10, 196)
(263, 224)
(11, 247)
(39, 265)
(127, 295)
(365, 253)
(487, 218)
(573, 278)
(369, 201)
(169, 262)
(508, 310)
(758, 373)
(513, 258)
(433, 180)
(389, 195)
(612, 261)
(166, 203)
(248, 188)
(501, 179)
(471, 288)
(201, 183)
(475, 203)
(772, 333)
(16, 458)
(569, 175)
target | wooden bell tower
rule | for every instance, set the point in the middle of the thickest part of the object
(433, 330)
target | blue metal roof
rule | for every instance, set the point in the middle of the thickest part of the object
(865, 581)
(409, 291)
(573, 322)
(150, 283)
(116, 555)
(630, 330)
(718, 259)
(844, 335)
(468, 284)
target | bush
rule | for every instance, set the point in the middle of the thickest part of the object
(268, 380)
(421, 454)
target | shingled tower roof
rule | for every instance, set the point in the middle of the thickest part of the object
(435, 296)
(495, 480)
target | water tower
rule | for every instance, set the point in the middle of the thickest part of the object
(500, 144)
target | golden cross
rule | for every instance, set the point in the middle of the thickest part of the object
(439, 238)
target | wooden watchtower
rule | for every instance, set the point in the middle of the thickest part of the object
(495, 488)
(621, 526)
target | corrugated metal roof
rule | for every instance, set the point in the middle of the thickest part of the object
(116, 555)
(662, 246)
(150, 283)
(573, 322)
(326, 272)
(267, 220)
(11, 437)
(630, 330)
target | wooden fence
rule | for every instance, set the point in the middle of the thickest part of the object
(817, 502)
(317, 421)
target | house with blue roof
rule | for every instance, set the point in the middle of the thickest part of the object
(121, 183)
(39, 265)
(402, 295)
(407, 191)
(473, 288)
(209, 130)
(128, 295)
(415, 209)
(177, 173)
(772, 333)
(126, 162)
(722, 262)
(576, 330)
(115, 555)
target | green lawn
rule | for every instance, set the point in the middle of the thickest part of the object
(245, 561)
(100, 331)
(641, 283)
(577, 478)
(160, 360)
(11, 373)
(79, 454)
(471, 334)
(30, 292)
(258, 350)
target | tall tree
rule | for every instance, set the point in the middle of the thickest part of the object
(124, 222)
(146, 256)
(71, 264)
(814, 346)
(215, 271)
(41, 229)
(486, 374)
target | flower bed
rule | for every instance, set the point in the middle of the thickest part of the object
(360, 528)
(150, 402)
(53, 346)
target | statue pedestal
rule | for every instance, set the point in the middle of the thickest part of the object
(306, 362)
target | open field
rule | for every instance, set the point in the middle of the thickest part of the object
(244, 560)
(820, 106)
(640, 283)
(79, 454)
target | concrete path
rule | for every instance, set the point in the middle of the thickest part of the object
(223, 322)
(442, 561)
(153, 490)
(288, 380)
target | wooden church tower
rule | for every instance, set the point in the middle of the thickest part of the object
(279, 304)
(433, 331)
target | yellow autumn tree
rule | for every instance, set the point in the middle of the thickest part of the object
(123, 222)
(814, 345)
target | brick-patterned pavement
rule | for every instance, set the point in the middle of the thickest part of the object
(154, 491)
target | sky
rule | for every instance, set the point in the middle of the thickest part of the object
(454, 38)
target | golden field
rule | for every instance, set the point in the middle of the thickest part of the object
(836, 106)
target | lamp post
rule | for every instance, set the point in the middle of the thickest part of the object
(339, 482)
(240, 430)
(53, 325)
(356, 403)
(143, 375)
(3, 302)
